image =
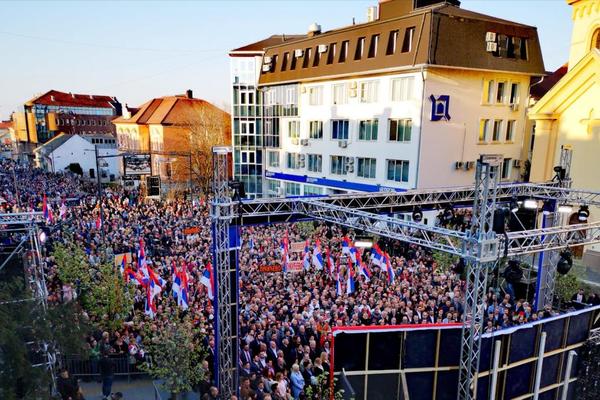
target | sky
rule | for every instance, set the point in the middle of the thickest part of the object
(139, 50)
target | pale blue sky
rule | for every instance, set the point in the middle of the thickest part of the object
(142, 49)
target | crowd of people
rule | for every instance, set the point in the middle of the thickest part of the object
(285, 317)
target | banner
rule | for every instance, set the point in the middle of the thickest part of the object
(138, 164)
(270, 268)
(119, 258)
(192, 230)
(295, 266)
(297, 247)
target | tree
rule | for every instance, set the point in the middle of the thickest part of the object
(207, 126)
(175, 357)
(322, 389)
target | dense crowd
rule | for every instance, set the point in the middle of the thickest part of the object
(286, 317)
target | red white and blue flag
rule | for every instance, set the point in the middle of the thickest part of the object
(362, 267)
(123, 265)
(306, 256)
(330, 263)
(176, 286)
(317, 258)
(285, 253)
(182, 298)
(47, 211)
(350, 281)
(141, 255)
(376, 255)
(388, 268)
(208, 280)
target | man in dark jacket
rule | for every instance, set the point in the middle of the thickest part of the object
(67, 386)
(107, 370)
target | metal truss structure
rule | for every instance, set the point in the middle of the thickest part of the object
(225, 279)
(481, 247)
(25, 225)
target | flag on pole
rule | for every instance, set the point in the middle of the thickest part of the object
(346, 244)
(123, 265)
(317, 258)
(350, 281)
(141, 255)
(285, 256)
(182, 299)
(305, 256)
(376, 255)
(208, 280)
(330, 263)
(362, 267)
(389, 269)
(338, 284)
(176, 287)
(46, 210)
(150, 308)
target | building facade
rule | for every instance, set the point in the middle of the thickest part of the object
(407, 100)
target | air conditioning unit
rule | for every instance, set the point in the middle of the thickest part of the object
(514, 106)
(469, 165)
(517, 163)
(266, 68)
(304, 142)
(295, 141)
(343, 144)
(490, 36)
(298, 53)
(458, 165)
(490, 47)
(322, 48)
(267, 59)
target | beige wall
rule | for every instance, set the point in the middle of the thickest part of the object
(586, 19)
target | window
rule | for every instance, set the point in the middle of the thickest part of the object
(315, 129)
(523, 49)
(247, 127)
(514, 93)
(392, 43)
(397, 170)
(273, 159)
(595, 41)
(292, 189)
(484, 126)
(293, 161)
(400, 130)
(497, 130)
(368, 91)
(368, 129)
(340, 93)
(331, 53)
(247, 97)
(360, 47)
(294, 129)
(402, 88)
(510, 47)
(273, 187)
(338, 165)
(315, 162)
(506, 168)
(317, 57)
(339, 129)
(290, 96)
(248, 157)
(294, 60)
(284, 62)
(315, 95)
(510, 130)
(366, 167)
(500, 96)
(408, 38)
(344, 51)
(306, 58)
(488, 91)
(373, 46)
(311, 189)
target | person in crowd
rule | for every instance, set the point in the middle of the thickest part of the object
(106, 374)
(579, 297)
(297, 381)
(67, 386)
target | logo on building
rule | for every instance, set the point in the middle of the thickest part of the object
(440, 107)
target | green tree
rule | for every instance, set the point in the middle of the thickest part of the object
(175, 357)
(322, 390)
(72, 264)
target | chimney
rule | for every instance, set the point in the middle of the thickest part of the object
(314, 29)
(372, 14)
(189, 94)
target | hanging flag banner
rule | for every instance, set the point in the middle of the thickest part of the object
(295, 266)
(119, 258)
(297, 247)
(192, 230)
(270, 268)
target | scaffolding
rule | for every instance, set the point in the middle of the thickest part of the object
(481, 246)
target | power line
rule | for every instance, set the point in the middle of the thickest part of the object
(105, 46)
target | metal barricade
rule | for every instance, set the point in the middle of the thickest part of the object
(84, 367)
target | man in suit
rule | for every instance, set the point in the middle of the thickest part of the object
(245, 355)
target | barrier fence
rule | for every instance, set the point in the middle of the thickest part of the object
(84, 367)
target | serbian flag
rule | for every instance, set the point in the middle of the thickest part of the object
(123, 265)
(208, 280)
(305, 256)
(362, 268)
(346, 245)
(141, 255)
(338, 284)
(350, 281)
(376, 255)
(317, 258)
(330, 263)
(389, 269)
(134, 277)
(47, 211)
(150, 308)
(285, 253)
(155, 282)
(176, 287)
(182, 300)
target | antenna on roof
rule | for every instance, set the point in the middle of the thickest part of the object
(353, 21)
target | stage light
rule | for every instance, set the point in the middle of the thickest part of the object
(548, 207)
(565, 263)
(514, 205)
(583, 214)
(363, 242)
(565, 208)
(530, 204)
(417, 214)
(42, 236)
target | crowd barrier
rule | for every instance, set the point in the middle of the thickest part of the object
(84, 367)
(420, 362)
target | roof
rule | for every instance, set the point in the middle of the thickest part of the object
(56, 98)
(55, 142)
(442, 35)
(272, 40)
(6, 124)
(546, 83)
(168, 110)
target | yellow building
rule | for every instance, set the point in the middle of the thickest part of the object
(569, 113)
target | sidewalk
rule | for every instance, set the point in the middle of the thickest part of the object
(139, 389)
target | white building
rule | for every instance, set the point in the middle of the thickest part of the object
(407, 100)
(78, 152)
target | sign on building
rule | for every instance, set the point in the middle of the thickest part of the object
(440, 107)
(139, 164)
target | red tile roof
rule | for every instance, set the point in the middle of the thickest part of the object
(56, 98)
(270, 41)
(543, 86)
(6, 124)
